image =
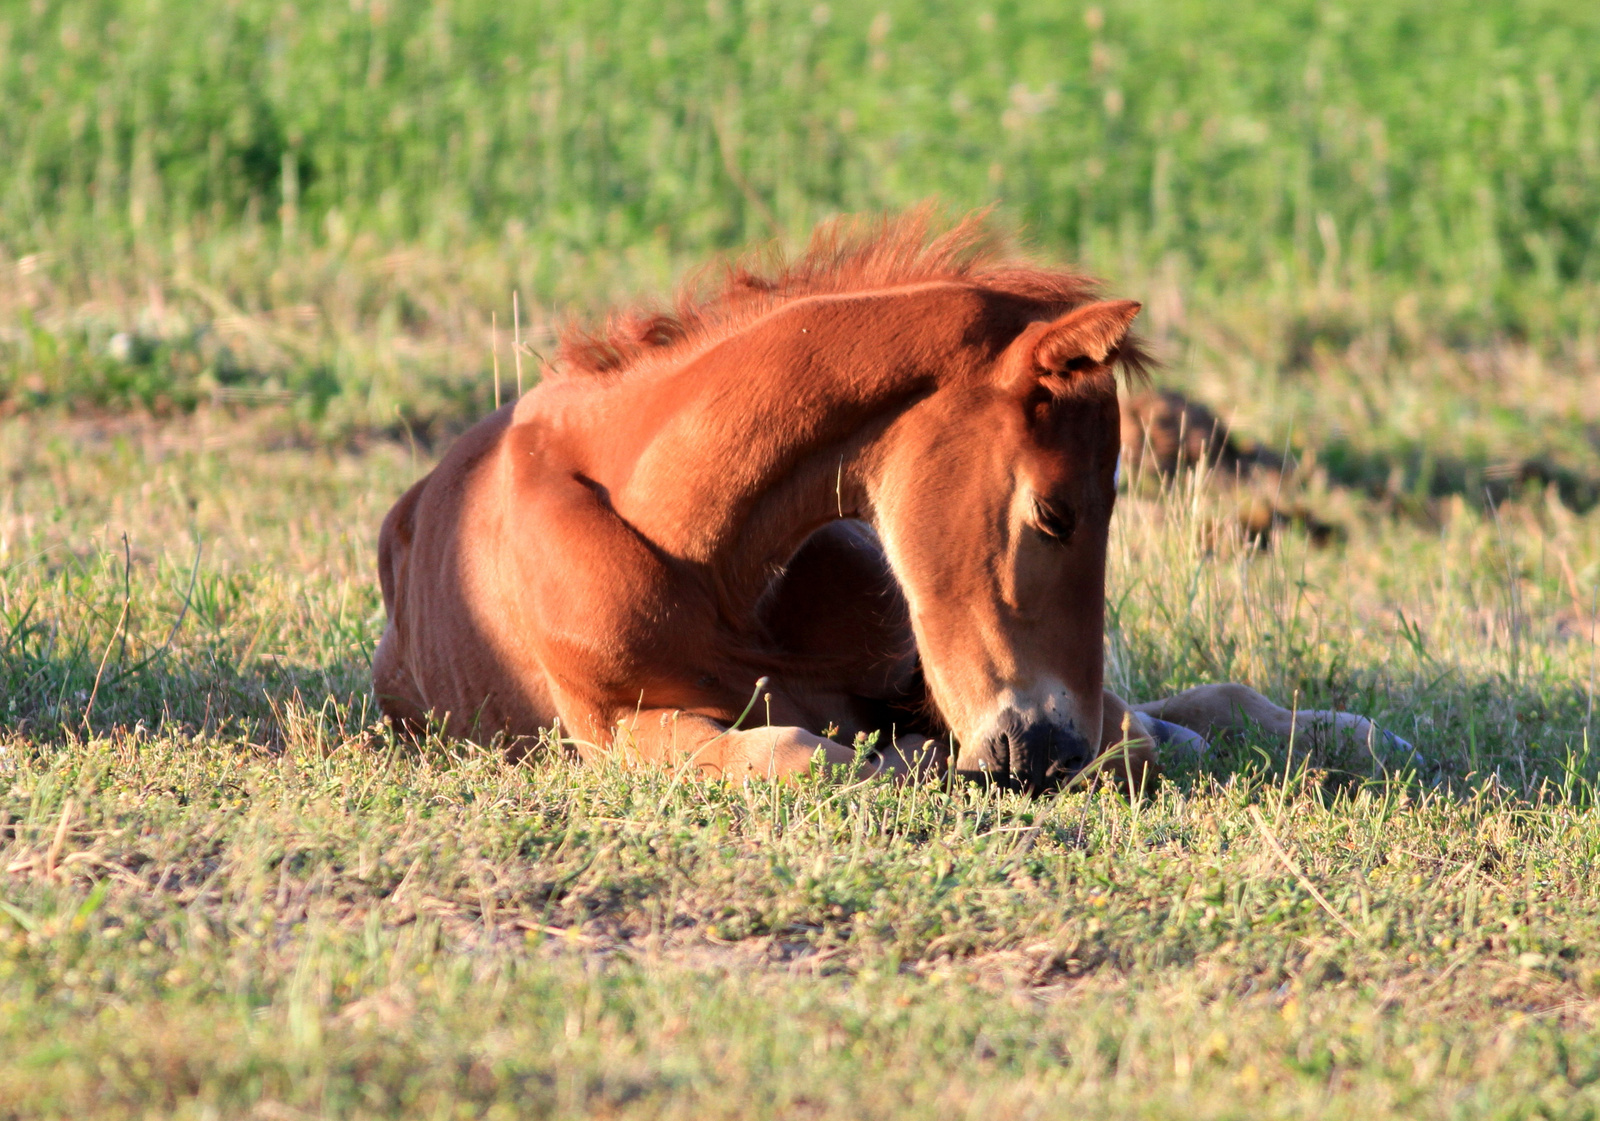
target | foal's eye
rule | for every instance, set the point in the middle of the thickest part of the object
(1054, 522)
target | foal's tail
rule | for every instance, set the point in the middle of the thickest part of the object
(394, 544)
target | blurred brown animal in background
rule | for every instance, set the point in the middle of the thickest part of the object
(1164, 430)
(1165, 433)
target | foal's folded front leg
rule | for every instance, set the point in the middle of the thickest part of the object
(674, 738)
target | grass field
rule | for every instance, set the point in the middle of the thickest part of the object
(248, 259)
(226, 891)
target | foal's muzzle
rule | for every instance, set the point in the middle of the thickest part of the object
(1031, 755)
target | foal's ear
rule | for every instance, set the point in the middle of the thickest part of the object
(1085, 337)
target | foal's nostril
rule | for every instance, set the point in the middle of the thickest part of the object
(1039, 754)
(1073, 754)
(1030, 749)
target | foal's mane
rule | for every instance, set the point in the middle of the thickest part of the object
(848, 254)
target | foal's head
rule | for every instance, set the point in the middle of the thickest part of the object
(994, 507)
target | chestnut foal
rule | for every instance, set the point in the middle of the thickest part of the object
(881, 480)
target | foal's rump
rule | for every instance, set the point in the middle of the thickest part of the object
(394, 543)
(441, 657)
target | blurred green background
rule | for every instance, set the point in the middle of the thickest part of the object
(401, 168)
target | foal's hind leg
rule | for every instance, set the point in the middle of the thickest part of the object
(1211, 710)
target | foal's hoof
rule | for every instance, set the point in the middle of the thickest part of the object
(1392, 742)
(1168, 734)
(1409, 755)
(1368, 734)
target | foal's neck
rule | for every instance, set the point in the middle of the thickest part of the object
(733, 458)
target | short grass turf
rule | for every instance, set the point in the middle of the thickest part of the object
(225, 891)
(1364, 232)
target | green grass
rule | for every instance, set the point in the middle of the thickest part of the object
(372, 934)
(1445, 143)
(316, 212)
(249, 256)
(323, 203)
(228, 892)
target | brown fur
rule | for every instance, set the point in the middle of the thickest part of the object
(879, 478)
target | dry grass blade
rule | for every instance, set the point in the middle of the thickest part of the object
(116, 632)
(1294, 869)
(68, 808)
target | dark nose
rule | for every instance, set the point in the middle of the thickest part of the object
(1034, 755)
